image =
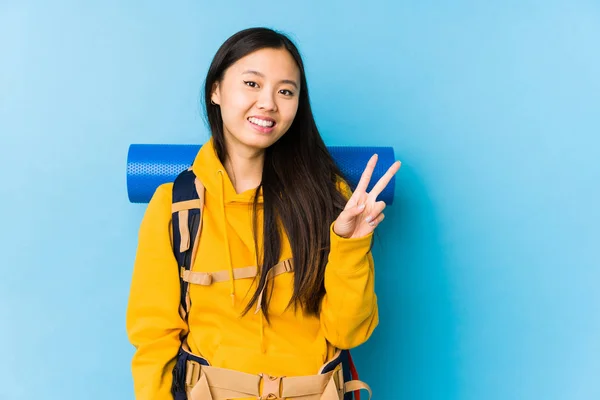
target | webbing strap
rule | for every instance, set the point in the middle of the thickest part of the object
(200, 391)
(207, 278)
(273, 272)
(200, 191)
(295, 386)
(212, 383)
(186, 205)
(182, 209)
(184, 231)
(187, 213)
(351, 386)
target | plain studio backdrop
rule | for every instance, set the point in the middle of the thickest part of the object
(487, 265)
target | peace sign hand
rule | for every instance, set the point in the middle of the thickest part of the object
(362, 212)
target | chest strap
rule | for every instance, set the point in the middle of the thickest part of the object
(208, 278)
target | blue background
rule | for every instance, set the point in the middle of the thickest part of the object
(488, 264)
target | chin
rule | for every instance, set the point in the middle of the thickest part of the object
(262, 146)
(260, 141)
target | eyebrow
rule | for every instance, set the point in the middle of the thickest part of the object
(253, 72)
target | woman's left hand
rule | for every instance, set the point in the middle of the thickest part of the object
(362, 212)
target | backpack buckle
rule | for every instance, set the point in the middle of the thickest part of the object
(287, 265)
(271, 387)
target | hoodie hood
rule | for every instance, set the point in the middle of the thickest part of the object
(211, 172)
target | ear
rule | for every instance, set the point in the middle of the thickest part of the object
(215, 96)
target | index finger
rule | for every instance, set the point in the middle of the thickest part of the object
(385, 179)
(365, 178)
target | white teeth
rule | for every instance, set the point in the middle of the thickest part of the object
(260, 122)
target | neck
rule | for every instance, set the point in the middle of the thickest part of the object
(244, 167)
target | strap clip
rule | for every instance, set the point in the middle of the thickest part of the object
(271, 387)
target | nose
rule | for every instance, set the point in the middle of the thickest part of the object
(266, 101)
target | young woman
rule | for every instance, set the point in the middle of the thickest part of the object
(273, 196)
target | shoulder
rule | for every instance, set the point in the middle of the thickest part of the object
(157, 217)
(163, 194)
(160, 202)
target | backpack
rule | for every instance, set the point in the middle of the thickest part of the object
(187, 209)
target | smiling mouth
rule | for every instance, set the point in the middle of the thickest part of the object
(261, 122)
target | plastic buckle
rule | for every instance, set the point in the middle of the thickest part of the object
(271, 387)
(192, 373)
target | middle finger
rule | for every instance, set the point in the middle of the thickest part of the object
(385, 179)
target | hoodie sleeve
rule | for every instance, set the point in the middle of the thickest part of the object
(349, 311)
(153, 323)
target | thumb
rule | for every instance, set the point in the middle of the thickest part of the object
(344, 224)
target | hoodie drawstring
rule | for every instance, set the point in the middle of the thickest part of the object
(263, 348)
(227, 252)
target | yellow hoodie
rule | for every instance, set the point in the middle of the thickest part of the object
(294, 343)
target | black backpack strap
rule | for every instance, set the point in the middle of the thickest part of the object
(187, 208)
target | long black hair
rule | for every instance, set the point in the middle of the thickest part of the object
(299, 179)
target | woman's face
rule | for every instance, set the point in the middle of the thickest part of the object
(258, 96)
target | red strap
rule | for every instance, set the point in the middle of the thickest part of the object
(354, 374)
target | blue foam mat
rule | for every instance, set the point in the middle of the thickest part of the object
(150, 165)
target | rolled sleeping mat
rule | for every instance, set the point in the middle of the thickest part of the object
(151, 165)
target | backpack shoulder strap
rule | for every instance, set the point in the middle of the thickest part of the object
(187, 209)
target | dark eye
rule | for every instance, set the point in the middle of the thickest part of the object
(251, 84)
(286, 92)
